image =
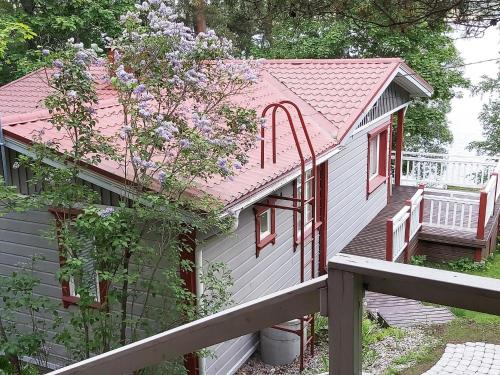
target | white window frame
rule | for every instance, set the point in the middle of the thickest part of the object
(96, 294)
(307, 196)
(267, 232)
(375, 139)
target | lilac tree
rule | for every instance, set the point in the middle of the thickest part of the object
(179, 127)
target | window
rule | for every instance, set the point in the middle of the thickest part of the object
(377, 157)
(89, 276)
(308, 209)
(265, 225)
(374, 154)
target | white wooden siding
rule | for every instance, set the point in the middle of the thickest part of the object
(277, 267)
(349, 209)
(22, 236)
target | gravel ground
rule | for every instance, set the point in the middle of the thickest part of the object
(387, 350)
(390, 348)
(314, 365)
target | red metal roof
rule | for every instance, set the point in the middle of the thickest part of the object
(331, 94)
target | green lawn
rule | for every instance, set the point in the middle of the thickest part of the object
(469, 325)
(490, 268)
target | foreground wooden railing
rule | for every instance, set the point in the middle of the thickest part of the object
(338, 295)
(349, 276)
(300, 300)
(402, 227)
(445, 169)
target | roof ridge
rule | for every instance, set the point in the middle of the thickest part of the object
(353, 60)
(44, 114)
(20, 118)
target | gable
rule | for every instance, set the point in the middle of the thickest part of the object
(393, 97)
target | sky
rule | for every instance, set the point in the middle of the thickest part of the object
(464, 112)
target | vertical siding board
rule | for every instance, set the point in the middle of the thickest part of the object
(350, 210)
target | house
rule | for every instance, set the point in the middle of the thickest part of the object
(304, 195)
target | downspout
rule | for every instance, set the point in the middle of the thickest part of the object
(3, 154)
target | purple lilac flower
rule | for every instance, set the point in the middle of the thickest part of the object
(124, 131)
(137, 161)
(184, 143)
(106, 212)
(58, 64)
(45, 52)
(124, 77)
(202, 123)
(71, 94)
(139, 89)
(163, 132)
(144, 112)
(221, 162)
(161, 177)
(237, 165)
(148, 164)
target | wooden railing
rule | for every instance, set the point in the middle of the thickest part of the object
(452, 209)
(338, 296)
(416, 205)
(402, 227)
(443, 169)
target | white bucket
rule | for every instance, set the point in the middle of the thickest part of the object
(278, 347)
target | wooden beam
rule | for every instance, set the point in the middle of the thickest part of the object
(345, 299)
(423, 284)
(290, 303)
(399, 147)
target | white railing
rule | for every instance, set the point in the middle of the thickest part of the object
(452, 209)
(396, 234)
(487, 200)
(442, 169)
(338, 296)
(404, 226)
(416, 212)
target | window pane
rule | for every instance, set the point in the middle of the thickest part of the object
(265, 225)
(374, 157)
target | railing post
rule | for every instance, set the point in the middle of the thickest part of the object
(481, 217)
(389, 240)
(421, 212)
(407, 232)
(345, 301)
(496, 190)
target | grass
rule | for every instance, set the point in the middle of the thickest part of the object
(488, 268)
(468, 326)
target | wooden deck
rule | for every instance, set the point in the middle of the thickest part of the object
(402, 312)
(371, 241)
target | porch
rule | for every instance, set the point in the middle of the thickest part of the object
(442, 206)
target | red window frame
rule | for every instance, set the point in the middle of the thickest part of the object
(382, 133)
(61, 215)
(261, 243)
